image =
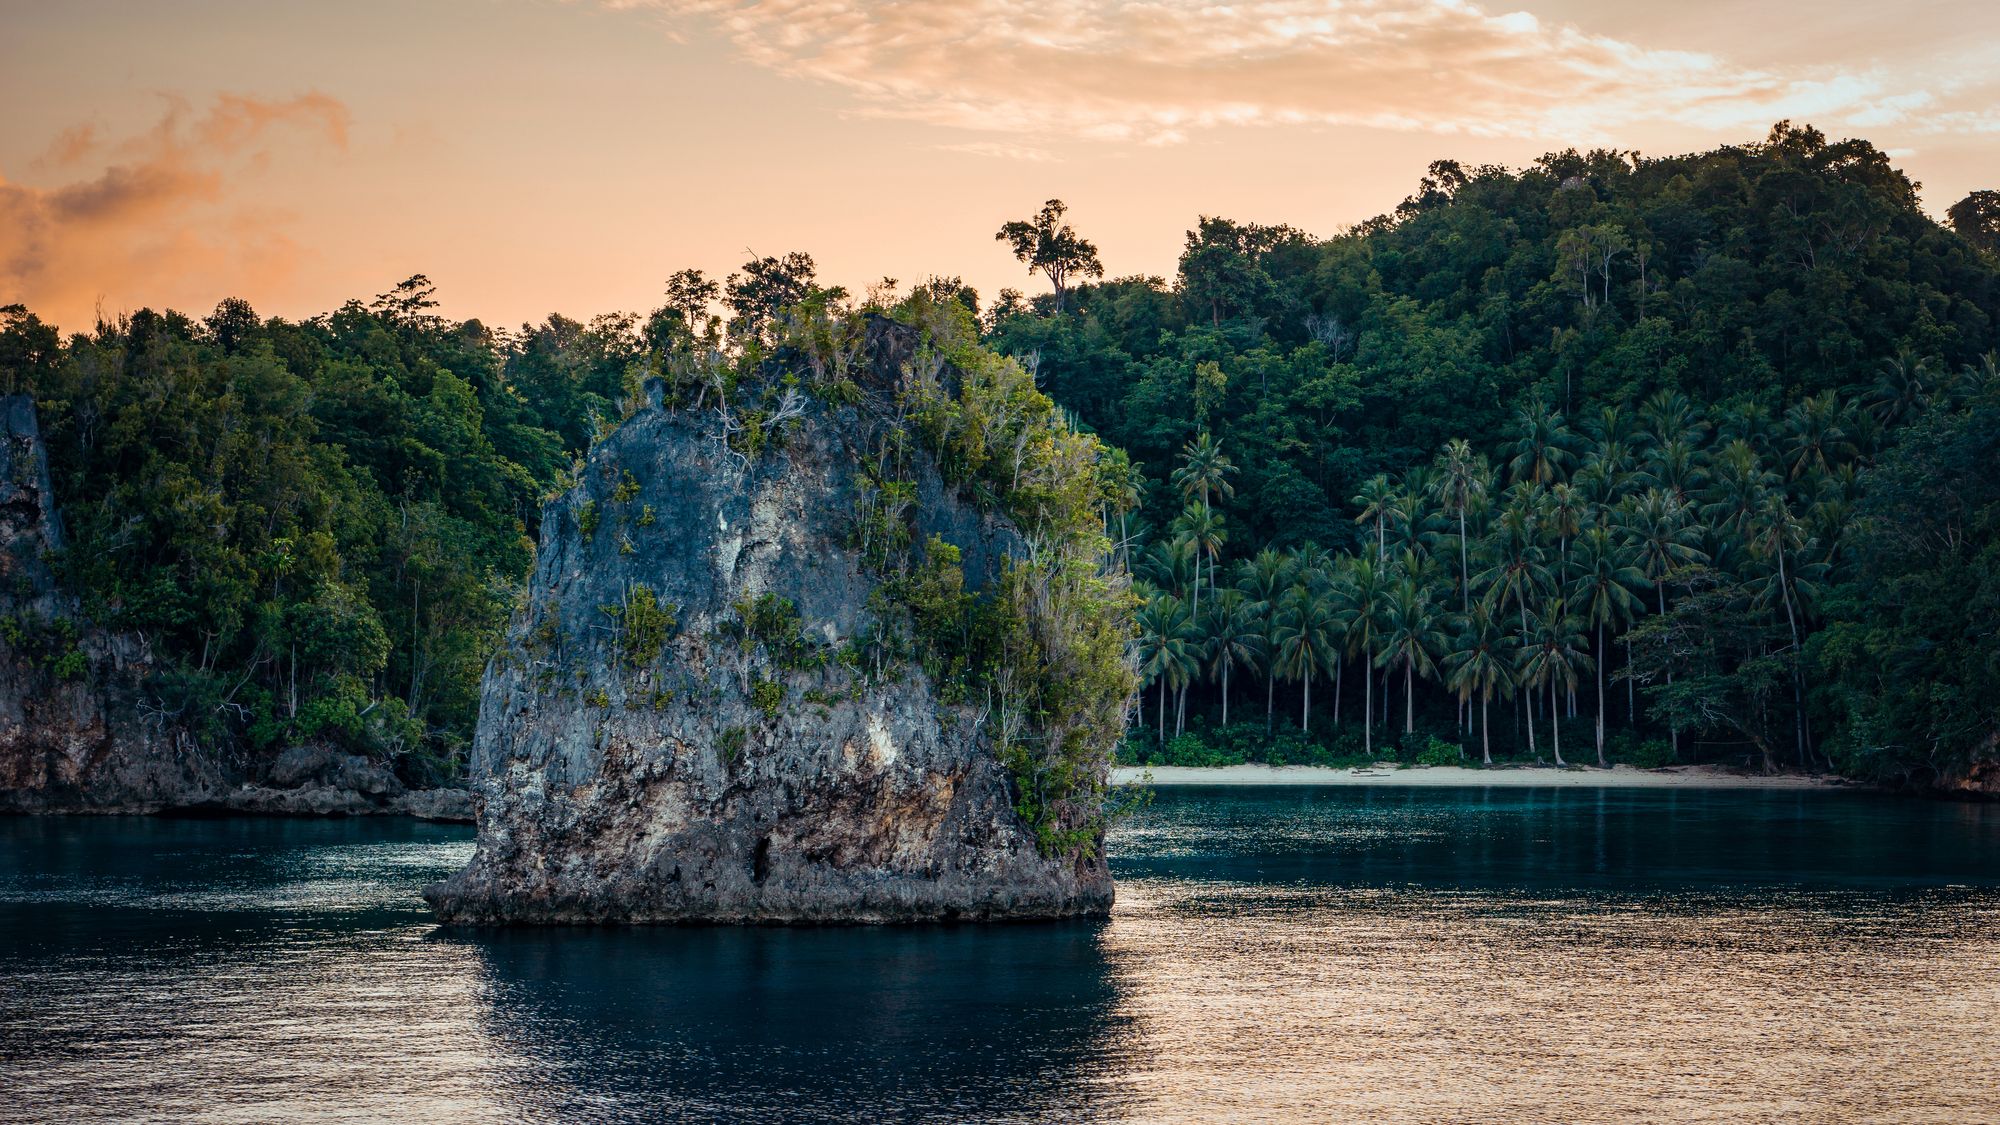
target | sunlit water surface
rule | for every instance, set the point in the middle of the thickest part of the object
(1344, 954)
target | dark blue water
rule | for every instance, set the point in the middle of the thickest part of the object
(1361, 953)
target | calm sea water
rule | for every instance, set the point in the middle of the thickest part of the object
(1343, 954)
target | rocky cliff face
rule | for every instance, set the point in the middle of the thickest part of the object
(72, 733)
(76, 733)
(691, 719)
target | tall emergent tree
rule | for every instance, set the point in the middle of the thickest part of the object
(1048, 245)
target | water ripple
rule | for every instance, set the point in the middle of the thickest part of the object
(1371, 955)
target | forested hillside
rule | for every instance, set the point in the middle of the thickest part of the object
(1692, 457)
(1692, 453)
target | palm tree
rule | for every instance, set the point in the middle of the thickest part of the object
(1608, 473)
(1124, 489)
(1414, 521)
(1604, 585)
(1235, 636)
(1362, 593)
(1202, 526)
(1736, 492)
(1974, 378)
(1264, 579)
(1481, 662)
(1540, 447)
(1816, 435)
(1461, 480)
(1671, 417)
(1611, 423)
(1902, 389)
(1303, 641)
(1676, 468)
(1663, 539)
(1171, 565)
(1518, 571)
(1553, 658)
(1377, 501)
(1167, 648)
(1410, 637)
(1774, 532)
(1204, 470)
(1563, 517)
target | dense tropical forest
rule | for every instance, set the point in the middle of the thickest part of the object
(1607, 458)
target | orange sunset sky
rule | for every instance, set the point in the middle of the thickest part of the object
(537, 156)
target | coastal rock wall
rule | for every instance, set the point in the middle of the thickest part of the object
(685, 723)
(72, 733)
(76, 732)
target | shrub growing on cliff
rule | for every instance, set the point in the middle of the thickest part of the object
(1047, 646)
(643, 624)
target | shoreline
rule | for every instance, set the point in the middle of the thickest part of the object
(1575, 777)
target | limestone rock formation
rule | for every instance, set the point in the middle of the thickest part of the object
(686, 723)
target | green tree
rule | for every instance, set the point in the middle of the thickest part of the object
(1480, 662)
(1307, 633)
(1411, 639)
(1169, 651)
(1606, 587)
(1461, 481)
(1234, 637)
(1554, 657)
(1264, 579)
(1048, 245)
(1363, 592)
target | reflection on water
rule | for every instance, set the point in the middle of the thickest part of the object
(1348, 954)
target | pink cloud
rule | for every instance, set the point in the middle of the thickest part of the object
(1155, 70)
(165, 207)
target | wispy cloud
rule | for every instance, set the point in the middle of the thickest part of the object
(132, 220)
(1002, 150)
(1154, 71)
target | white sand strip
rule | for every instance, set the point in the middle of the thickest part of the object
(1674, 777)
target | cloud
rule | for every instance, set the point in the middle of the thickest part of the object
(70, 146)
(1001, 150)
(167, 206)
(1157, 70)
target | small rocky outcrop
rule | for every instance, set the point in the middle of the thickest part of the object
(76, 732)
(705, 712)
(322, 780)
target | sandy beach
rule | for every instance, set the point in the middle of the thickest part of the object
(1676, 777)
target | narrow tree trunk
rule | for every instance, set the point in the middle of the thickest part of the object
(1798, 669)
(1600, 695)
(1485, 734)
(1673, 728)
(1555, 725)
(1409, 696)
(1225, 696)
(1464, 566)
(1368, 710)
(1631, 693)
(1305, 708)
(1270, 699)
(1529, 722)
